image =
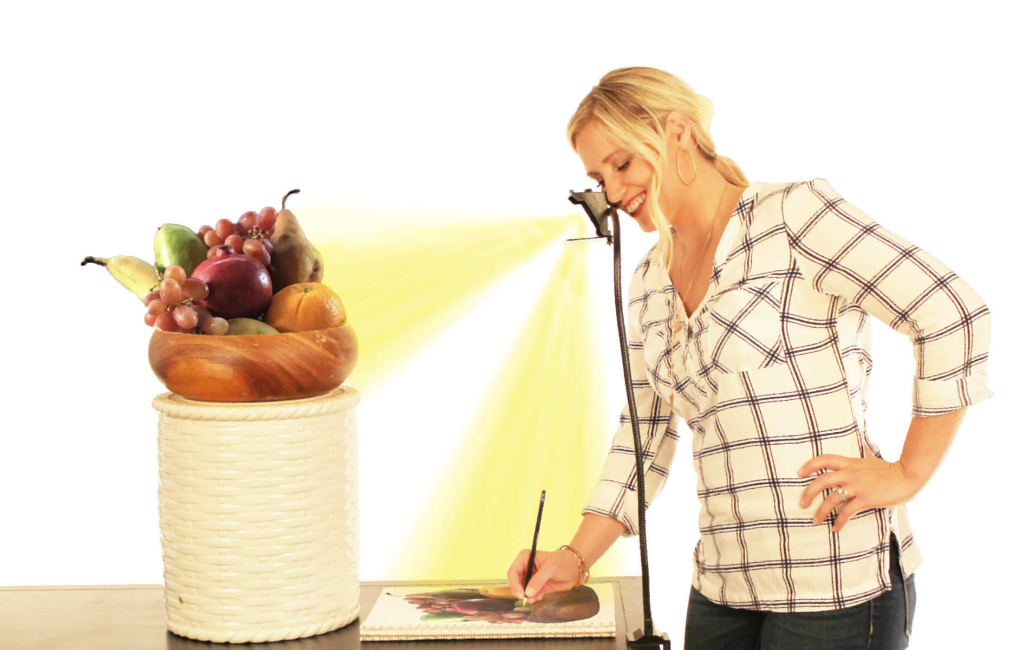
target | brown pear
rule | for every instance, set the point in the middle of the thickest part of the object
(294, 259)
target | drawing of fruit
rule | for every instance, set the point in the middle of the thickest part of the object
(480, 605)
(562, 606)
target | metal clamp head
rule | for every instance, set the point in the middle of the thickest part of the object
(597, 208)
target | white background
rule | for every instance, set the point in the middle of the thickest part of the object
(121, 116)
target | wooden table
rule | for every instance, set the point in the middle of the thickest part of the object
(132, 616)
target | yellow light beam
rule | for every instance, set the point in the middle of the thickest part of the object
(541, 427)
(402, 287)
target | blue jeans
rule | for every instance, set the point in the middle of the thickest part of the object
(883, 623)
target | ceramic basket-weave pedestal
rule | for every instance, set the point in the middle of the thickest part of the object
(259, 517)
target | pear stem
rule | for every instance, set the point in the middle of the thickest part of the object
(94, 260)
(286, 197)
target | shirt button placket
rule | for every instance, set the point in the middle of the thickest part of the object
(675, 331)
(689, 357)
(692, 364)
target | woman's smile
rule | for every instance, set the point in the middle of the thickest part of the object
(635, 205)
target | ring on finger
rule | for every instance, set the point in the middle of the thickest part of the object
(842, 493)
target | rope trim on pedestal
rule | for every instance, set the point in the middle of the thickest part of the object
(203, 634)
(175, 406)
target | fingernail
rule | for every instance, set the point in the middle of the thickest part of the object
(531, 592)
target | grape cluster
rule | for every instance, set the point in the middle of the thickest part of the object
(174, 306)
(491, 610)
(250, 235)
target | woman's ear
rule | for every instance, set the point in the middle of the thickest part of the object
(677, 128)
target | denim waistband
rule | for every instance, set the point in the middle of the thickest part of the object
(898, 579)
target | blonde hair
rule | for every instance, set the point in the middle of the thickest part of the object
(634, 104)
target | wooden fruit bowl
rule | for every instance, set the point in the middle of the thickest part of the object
(254, 368)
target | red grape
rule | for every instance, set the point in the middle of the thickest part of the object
(165, 322)
(217, 251)
(170, 292)
(212, 239)
(156, 306)
(266, 218)
(247, 221)
(235, 242)
(195, 288)
(225, 228)
(151, 318)
(216, 326)
(150, 297)
(185, 317)
(254, 248)
(176, 273)
(202, 312)
(203, 230)
(268, 245)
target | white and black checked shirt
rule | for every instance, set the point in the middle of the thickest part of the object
(769, 372)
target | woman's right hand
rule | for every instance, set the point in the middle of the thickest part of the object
(552, 571)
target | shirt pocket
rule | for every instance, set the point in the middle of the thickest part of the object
(744, 328)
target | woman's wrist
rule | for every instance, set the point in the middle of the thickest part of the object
(926, 444)
(581, 564)
(595, 536)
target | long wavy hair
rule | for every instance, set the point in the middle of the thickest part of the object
(633, 104)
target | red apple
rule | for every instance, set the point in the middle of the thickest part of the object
(240, 286)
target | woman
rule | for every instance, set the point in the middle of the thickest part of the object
(748, 321)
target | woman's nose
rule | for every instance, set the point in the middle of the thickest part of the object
(614, 191)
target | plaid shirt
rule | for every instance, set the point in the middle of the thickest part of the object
(769, 372)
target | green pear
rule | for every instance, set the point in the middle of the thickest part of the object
(179, 245)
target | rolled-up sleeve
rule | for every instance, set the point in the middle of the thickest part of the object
(843, 252)
(615, 495)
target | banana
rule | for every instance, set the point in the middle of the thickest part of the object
(139, 276)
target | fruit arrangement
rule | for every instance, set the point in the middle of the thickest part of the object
(227, 279)
(239, 309)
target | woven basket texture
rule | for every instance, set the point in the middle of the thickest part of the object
(259, 517)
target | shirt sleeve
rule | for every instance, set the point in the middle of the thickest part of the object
(843, 252)
(615, 495)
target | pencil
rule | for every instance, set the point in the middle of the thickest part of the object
(533, 550)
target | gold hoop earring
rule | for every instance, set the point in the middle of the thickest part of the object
(679, 171)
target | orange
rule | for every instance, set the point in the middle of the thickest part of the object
(303, 307)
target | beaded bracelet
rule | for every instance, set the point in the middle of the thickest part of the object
(584, 571)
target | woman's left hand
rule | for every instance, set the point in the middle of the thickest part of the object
(869, 482)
